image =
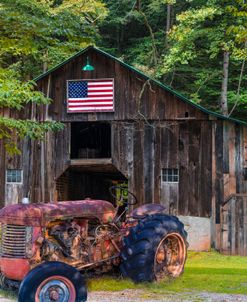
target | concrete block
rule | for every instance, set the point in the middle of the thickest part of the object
(199, 232)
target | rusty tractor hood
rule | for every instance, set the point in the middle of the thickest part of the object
(40, 214)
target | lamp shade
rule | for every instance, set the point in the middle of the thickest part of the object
(88, 66)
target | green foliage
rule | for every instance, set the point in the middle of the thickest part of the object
(15, 93)
(186, 37)
(46, 32)
(36, 35)
(197, 43)
(190, 58)
(209, 26)
(12, 129)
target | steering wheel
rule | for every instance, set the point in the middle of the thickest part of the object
(123, 195)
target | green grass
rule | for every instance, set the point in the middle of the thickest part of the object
(204, 271)
(209, 271)
(8, 294)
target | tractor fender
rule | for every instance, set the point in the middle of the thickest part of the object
(147, 209)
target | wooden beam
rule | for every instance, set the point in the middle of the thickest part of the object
(90, 162)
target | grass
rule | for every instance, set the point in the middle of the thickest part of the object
(8, 294)
(204, 271)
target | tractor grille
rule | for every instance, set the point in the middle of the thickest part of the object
(13, 241)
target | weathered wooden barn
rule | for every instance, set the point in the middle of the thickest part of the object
(167, 150)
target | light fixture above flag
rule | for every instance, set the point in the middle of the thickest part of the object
(88, 66)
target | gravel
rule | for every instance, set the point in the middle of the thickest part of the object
(144, 296)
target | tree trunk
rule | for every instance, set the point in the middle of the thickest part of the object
(223, 98)
(138, 5)
(45, 59)
(168, 18)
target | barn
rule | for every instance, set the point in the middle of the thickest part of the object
(135, 132)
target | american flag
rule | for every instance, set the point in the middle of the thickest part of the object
(90, 96)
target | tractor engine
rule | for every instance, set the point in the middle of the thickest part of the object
(67, 241)
(79, 242)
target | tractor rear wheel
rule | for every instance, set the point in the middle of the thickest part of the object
(154, 249)
(53, 281)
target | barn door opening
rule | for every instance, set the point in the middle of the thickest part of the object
(77, 183)
(90, 140)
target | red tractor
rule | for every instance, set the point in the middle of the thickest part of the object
(45, 248)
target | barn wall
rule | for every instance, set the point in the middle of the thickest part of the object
(13, 193)
(233, 239)
(228, 165)
(230, 158)
(156, 146)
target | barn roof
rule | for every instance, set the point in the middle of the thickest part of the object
(163, 86)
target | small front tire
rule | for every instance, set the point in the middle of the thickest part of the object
(53, 281)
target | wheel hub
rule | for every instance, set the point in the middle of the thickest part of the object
(54, 290)
(54, 295)
(160, 257)
(170, 256)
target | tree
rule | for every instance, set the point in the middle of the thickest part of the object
(14, 95)
(215, 31)
(36, 35)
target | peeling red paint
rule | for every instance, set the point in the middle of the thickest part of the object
(41, 214)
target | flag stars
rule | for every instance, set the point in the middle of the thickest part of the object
(77, 89)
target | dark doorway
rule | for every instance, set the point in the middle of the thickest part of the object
(76, 184)
(90, 140)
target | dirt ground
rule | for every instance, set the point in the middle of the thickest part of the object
(143, 296)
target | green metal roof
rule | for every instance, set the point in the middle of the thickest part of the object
(165, 87)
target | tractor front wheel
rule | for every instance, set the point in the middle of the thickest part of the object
(53, 281)
(154, 249)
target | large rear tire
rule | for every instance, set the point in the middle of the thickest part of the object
(53, 281)
(155, 248)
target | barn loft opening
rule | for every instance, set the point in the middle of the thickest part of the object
(90, 140)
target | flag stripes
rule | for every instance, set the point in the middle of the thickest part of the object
(90, 96)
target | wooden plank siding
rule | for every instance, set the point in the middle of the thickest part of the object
(234, 225)
(164, 145)
(130, 104)
(2, 175)
(231, 204)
